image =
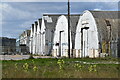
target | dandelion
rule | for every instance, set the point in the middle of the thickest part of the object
(92, 68)
(63, 61)
(16, 67)
(33, 61)
(78, 67)
(25, 66)
(35, 68)
(95, 66)
(60, 63)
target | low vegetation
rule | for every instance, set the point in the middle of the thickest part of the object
(60, 68)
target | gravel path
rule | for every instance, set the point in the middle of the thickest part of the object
(98, 62)
(20, 57)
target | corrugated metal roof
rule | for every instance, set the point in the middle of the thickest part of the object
(33, 28)
(36, 23)
(50, 28)
(112, 18)
(28, 32)
(105, 14)
(107, 23)
(40, 21)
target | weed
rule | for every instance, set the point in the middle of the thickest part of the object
(25, 67)
(78, 67)
(35, 68)
(92, 68)
(60, 63)
(16, 66)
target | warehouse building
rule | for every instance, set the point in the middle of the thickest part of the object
(50, 24)
(60, 47)
(23, 41)
(92, 34)
(8, 45)
(42, 34)
(97, 34)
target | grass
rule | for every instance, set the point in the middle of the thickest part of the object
(50, 68)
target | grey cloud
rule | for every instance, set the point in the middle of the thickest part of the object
(19, 16)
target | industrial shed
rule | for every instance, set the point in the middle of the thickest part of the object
(50, 21)
(48, 26)
(60, 42)
(31, 39)
(97, 34)
(42, 33)
(7, 46)
(35, 38)
(74, 18)
(23, 41)
(38, 42)
(119, 35)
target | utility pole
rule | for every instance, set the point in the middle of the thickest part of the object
(68, 29)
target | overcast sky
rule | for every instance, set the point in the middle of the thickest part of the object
(18, 16)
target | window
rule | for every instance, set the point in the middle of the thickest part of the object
(108, 22)
(57, 44)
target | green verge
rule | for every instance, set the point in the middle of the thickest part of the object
(59, 68)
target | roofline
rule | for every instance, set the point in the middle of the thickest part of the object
(40, 19)
(102, 11)
(60, 14)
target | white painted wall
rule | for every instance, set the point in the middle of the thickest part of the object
(38, 45)
(62, 25)
(34, 40)
(31, 41)
(42, 36)
(90, 36)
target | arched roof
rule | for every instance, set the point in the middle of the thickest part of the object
(105, 14)
(39, 22)
(104, 19)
